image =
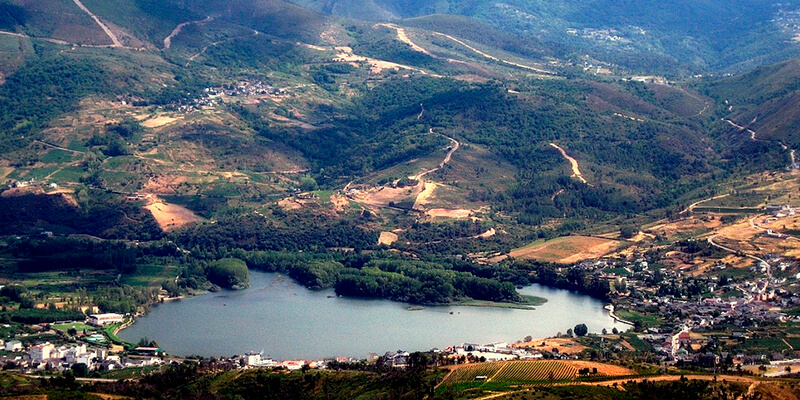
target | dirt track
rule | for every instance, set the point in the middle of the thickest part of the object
(177, 30)
(403, 37)
(423, 196)
(493, 58)
(100, 23)
(576, 172)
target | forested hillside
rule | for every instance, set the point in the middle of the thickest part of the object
(400, 159)
(668, 37)
(764, 100)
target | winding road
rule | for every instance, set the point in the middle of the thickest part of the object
(761, 261)
(697, 203)
(447, 158)
(177, 30)
(754, 138)
(427, 192)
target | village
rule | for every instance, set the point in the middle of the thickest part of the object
(212, 97)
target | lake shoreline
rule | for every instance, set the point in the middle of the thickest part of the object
(280, 316)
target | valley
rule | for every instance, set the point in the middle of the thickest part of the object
(409, 175)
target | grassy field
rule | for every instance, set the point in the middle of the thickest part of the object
(78, 326)
(129, 373)
(528, 302)
(633, 316)
(150, 275)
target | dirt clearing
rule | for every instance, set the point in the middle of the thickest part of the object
(340, 203)
(158, 121)
(445, 213)
(387, 238)
(171, 216)
(603, 369)
(290, 203)
(423, 198)
(384, 195)
(565, 346)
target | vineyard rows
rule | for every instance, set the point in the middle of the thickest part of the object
(514, 371)
(468, 374)
(536, 371)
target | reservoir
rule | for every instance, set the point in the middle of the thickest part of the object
(287, 321)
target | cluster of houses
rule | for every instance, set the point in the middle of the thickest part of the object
(497, 351)
(32, 183)
(59, 357)
(212, 96)
(47, 356)
(256, 360)
(688, 347)
(467, 352)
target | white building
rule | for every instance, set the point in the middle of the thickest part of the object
(41, 352)
(86, 358)
(74, 353)
(105, 319)
(252, 359)
(13, 345)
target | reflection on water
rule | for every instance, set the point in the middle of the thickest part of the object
(287, 321)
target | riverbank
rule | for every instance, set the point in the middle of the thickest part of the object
(610, 308)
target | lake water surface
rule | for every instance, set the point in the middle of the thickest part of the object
(288, 321)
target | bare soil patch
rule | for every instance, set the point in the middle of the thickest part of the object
(445, 213)
(485, 235)
(387, 238)
(345, 54)
(603, 369)
(383, 195)
(692, 225)
(423, 198)
(565, 346)
(340, 203)
(568, 249)
(171, 216)
(158, 121)
(289, 204)
(21, 191)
